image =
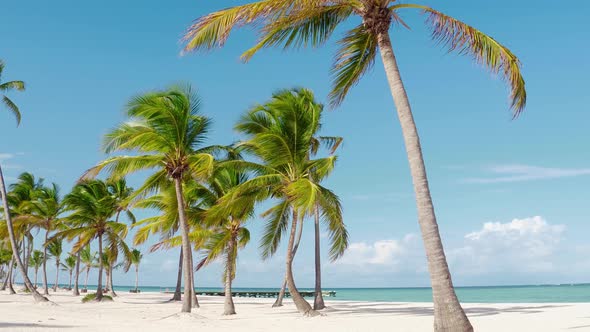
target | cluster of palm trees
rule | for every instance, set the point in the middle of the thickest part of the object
(34, 207)
(207, 193)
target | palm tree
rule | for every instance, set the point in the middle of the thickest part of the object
(88, 258)
(229, 233)
(36, 261)
(91, 206)
(167, 130)
(43, 213)
(121, 193)
(165, 224)
(9, 86)
(69, 265)
(38, 297)
(55, 249)
(280, 133)
(136, 257)
(311, 23)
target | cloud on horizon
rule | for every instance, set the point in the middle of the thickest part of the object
(520, 173)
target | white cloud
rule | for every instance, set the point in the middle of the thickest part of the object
(521, 246)
(6, 156)
(169, 265)
(519, 173)
(382, 253)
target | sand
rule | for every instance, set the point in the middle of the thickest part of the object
(151, 312)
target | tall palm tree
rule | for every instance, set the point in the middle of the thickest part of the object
(136, 257)
(9, 86)
(69, 265)
(43, 212)
(88, 258)
(36, 261)
(92, 207)
(55, 249)
(168, 132)
(279, 133)
(303, 23)
(38, 297)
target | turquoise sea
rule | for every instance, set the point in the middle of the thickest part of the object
(487, 294)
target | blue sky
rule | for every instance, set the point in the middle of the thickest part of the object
(511, 196)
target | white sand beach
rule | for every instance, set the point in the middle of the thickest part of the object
(151, 312)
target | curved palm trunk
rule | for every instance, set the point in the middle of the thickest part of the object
(56, 275)
(38, 297)
(28, 252)
(99, 285)
(448, 314)
(186, 304)
(10, 283)
(177, 293)
(76, 291)
(302, 305)
(45, 287)
(281, 296)
(112, 288)
(318, 301)
(228, 303)
(7, 278)
(194, 300)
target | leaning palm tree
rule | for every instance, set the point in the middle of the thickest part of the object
(91, 206)
(167, 131)
(69, 265)
(55, 249)
(279, 134)
(303, 23)
(136, 257)
(36, 261)
(38, 297)
(9, 86)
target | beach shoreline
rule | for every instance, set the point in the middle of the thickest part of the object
(151, 311)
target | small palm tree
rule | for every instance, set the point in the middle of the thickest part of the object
(69, 265)
(301, 23)
(7, 87)
(89, 259)
(91, 206)
(167, 130)
(136, 257)
(35, 261)
(55, 249)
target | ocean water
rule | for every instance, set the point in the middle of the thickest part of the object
(488, 294)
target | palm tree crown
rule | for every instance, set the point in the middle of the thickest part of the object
(7, 87)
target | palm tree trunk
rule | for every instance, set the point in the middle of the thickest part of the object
(228, 303)
(177, 295)
(70, 286)
(136, 277)
(99, 285)
(36, 270)
(186, 247)
(448, 314)
(302, 305)
(281, 296)
(45, 287)
(318, 301)
(111, 281)
(76, 291)
(194, 300)
(56, 274)
(38, 297)
(10, 283)
(86, 281)
(8, 273)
